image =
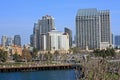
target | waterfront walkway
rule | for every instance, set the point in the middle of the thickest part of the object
(36, 67)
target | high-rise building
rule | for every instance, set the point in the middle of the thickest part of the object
(92, 28)
(67, 30)
(106, 35)
(43, 42)
(9, 41)
(117, 41)
(17, 40)
(36, 34)
(43, 26)
(46, 24)
(87, 29)
(31, 40)
(3, 41)
(112, 39)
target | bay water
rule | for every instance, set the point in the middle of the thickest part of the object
(39, 75)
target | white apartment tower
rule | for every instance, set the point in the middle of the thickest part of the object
(4, 41)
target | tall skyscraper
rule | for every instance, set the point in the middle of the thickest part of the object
(3, 41)
(9, 41)
(43, 26)
(31, 40)
(36, 34)
(117, 41)
(112, 38)
(47, 24)
(67, 30)
(106, 35)
(17, 40)
(92, 28)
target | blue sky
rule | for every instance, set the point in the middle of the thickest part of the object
(18, 16)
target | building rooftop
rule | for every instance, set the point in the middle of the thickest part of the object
(55, 31)
(87, 12)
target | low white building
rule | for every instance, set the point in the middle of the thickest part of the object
(104, 45)
(57, 40)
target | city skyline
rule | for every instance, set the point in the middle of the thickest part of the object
(10, 41)
(18, 17)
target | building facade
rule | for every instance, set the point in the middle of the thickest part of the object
(17, 40)
(36, 34)
(10, 41)
(43, 26)
(67, 30)
(31, 40)
(117, 41)
(57, 40)
(106, 35)
(3, 41)
(43, 42)
(46, 24)
(88, 29)
(92, 28)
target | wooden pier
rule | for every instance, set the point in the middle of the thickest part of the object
(37, 67)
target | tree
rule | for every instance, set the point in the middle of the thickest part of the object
(16, 57)
(75, 50)
(104, 53)
(46, 56)
(26, 55)
(50, 56)
(56, 53)
(113, 53)
(35, 52)
(3, 55)
(96, 52)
